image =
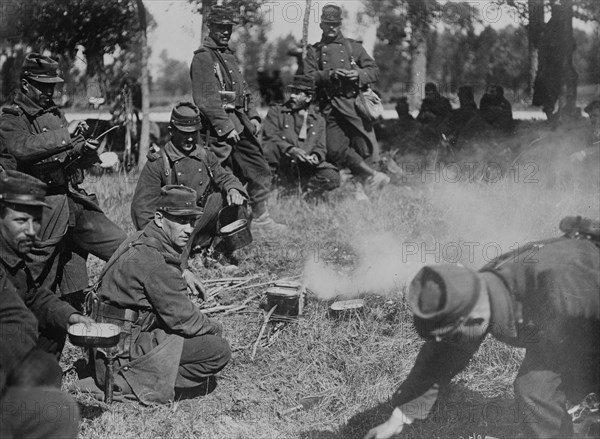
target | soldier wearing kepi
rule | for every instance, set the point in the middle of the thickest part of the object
(219, 90)
(294, 141)
(21, 212)
(341, 68)
(49, 148)
(30, 379)
(168, 342)
(544, 298)
(185, 160)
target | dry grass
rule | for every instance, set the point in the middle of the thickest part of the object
(356, 363)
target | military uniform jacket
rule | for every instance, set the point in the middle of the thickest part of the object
(211, 65)
(282, 128)
(322, 59)
(49, 310)
(200, 170)
(40, 136)
(144, 275)
(18, 328)
(550, 301)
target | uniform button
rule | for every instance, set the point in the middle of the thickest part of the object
(342, 60)
(233, 82)
(64, 143)
(44, 129)
(283, 137)
(287, 126)
(324, 62)
(199, 169)
(179, 173)
(314, 132)
(125, 368)
(230, 71)
(324, 47)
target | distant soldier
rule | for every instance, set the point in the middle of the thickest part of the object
(49, 148)
(341, 67)
(294, 141)
(185, 160)
(221, 93)
(495, 108)
(544, 298)
(434, 107)
(461, 116)
(168, 343)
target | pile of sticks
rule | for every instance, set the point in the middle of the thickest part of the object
(215, 287)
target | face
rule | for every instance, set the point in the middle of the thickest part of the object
(177, 228)
(331, 30)
(300, 98)
(39, 92)
(492, 91)
(19, 227)
(185, 142)
(220, 33)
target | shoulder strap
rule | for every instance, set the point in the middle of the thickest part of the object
(348, 46)
(166, 165)
(219, 61)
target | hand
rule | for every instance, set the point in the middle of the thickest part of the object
(194, 284)
(384, 431)
(80, 318)
(233, 135)
(340, 73)
(378, 180)
(77, 127)
(235, 197)
(352, 75)
(257, 126)
(313, 159)
(297, 153)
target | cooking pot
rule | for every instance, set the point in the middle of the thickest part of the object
(232, 228)
(95, 335)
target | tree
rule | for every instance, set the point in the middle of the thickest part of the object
(145, 83)
(174, 79)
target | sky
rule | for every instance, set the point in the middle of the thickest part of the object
(178, 27)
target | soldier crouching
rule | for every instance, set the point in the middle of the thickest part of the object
(166, 343)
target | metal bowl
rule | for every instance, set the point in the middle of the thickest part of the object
(96, 335)
(343, 308)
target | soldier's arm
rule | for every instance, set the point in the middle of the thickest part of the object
(28, 147)
(48, 308)
(320, 148)
(311, 67)
(205, 92)
(272, 131)
(223, 178)
(167, 292)
(252, 112)
(368, 72)
(435, 366)
(147, 193)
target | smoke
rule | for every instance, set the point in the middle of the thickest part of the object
(467, 221)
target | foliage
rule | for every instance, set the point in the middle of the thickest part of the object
(174, 76)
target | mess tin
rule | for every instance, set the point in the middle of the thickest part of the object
(232, 228)
(97, 335)
(288, 297)
(345, 308)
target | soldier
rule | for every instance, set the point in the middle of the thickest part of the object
(434, 107)
(168, 342)
(543, 298)
(495, 108)
(30, 379)
(294, 141)
(47, 147)
(221, 93)
(185, 160)
(341, 67)
(21, 206)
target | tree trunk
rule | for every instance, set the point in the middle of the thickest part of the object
(145, 85)
(418, 67)
(569, 72)
(535, 28)
(305, 23)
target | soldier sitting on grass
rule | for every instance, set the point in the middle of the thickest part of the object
(294, 141)
(168, 343)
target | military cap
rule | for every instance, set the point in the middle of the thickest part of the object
(178, 200)
(303, 82)
(331, 14)
(41, 68)
(441, 297)
(186, 117)
(222, 15)
(594, 105)
(21, 189)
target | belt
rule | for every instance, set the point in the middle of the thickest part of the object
(113, 312)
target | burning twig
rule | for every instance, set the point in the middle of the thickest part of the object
(261, 332)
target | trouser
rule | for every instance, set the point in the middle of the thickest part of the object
(346, 146)
(201, 357)
(249, 165)
(545, 381)
(38, 412)
(313, 179)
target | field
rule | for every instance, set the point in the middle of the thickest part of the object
(346, 248)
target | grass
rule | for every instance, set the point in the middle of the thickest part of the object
(352, 249)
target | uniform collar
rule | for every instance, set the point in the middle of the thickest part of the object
(175, 154)
(28, 106)
(338, 40)
(209, 43)
(287, 108)
(156, 238)
(9, 256)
